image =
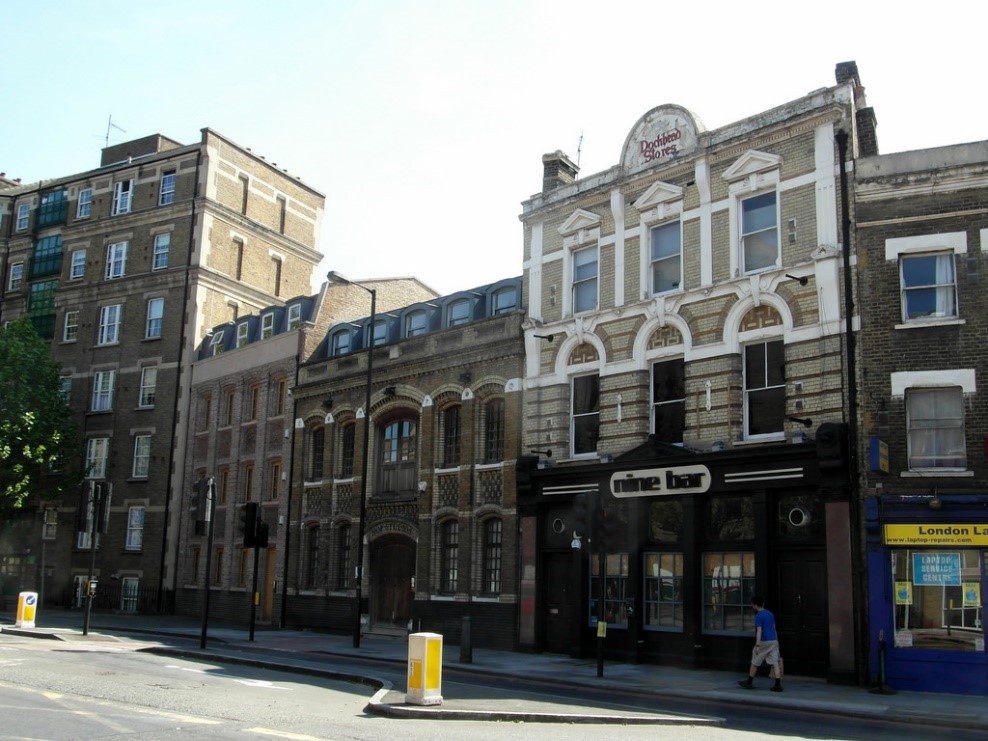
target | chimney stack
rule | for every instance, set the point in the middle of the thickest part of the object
(557, 170)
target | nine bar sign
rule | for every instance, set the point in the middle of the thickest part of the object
(650, 482)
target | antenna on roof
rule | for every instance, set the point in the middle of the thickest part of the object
(109, 125)
(579, 148)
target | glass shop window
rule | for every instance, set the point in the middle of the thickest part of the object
(618, 603)
(937, 599)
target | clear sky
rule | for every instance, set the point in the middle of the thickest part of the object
(424, 122)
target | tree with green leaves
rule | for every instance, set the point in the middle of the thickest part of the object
(37, 428)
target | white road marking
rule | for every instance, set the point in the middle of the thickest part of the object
(248, 682)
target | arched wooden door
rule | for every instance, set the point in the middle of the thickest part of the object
(392, 566)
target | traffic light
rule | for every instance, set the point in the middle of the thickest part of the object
(200, 509)
(84, 512)
(832, 446)
(248, 524)
(102, 493)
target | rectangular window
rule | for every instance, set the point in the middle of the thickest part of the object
(149, 381)
(935, 428)
(243, 571)
(156, 313)
(15, 276)
(505, 301)
(70, 328)
(380, 333)
(281, 397)
(224, 491)
(449, 543)
(491, 567)
(275, 489)
(167, 193)
(47, 258)
(84, 207)
(216, 346)
(229, 399)
(669, 401)
(458, 313)
(255, 403)
(205, 407)
(103, 383)
(451, 437)
(78, 268)
(135, 528)
(162, 245)
(663, 591)
(728, 586)
(494, 431)
(50, 527)
(65, 388)
(97, 449)
(116, 260)
(267, 326)
(929, 287)
(122, 192)
(938, 600)
(347, 447)
(109, 324)
(416, 323)
(54, 208)
(585, 431)
(585, 280)
(764, 389)
(41, 307)
(129, 593)
(243, 334)
(294, 316)
(23, 217)
(618, 603)
(248, 482)
(343, 557)
(142, 456)
(667, 253)
(218, 566)
(340, 343)
(311, 564)
(759, 232)
(194, 564)
(317, 442)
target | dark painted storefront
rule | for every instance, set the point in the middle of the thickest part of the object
(928, 570)
(687, 539)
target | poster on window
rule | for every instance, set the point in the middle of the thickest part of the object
(903, 593)
(972, 594)
(937, 569)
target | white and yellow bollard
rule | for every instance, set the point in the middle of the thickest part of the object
(425, 669)
(27, 606)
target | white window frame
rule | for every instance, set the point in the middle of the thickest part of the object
(84, 207)
(340, 342)
(497, 305)
(110, 318)
(155, 318)
(135, 528)
(665, 228)
(142, 457)
(574, 415)
(216, 343)
(267, 325)
(657, 404)
(23, 217)
(294, 317)
(116, 260)
(416, 323)
(747, 389)
(166, 195)
(758, 234)
(97, 450)
(243, 334)
(149, 383)
(453, 319)
(104, 383)
(77, 268)
(15, 276)
(944, 288)
(70, 326)
(582, 281)
(162, 246)
(122, 197)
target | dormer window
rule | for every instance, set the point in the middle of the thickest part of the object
(243, 334)
(458, 313)
(267, 325)
(505, 301)
(216, 343)
(340, 343)
(294, 316)
(416, 323)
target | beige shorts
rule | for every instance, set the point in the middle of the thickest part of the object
(765, 651)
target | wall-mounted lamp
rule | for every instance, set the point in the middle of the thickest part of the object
(935, 501)
(802, 281)
(546, 453)
(389, 391)
(805, 421)
(547, 337)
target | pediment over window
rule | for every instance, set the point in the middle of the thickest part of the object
(658, 193)
(752, 162)
(579, 220)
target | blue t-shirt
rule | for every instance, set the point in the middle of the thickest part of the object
(766, 621)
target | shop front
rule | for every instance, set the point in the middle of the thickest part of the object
(927, 563)
(666, 552)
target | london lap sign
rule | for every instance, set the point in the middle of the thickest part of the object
(937, 534)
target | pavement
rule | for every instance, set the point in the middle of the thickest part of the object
(326, 654)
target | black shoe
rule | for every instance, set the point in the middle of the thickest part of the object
(746, 683)
(776, 687)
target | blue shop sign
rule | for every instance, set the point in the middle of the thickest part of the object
(937, 569)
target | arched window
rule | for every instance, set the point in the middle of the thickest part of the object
(347, 438)
(450, 435)
(343, 557)
(314, 453)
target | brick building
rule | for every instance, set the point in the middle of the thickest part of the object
(440, 514)
(123, 268)
(922, 237)
(243, 418)
(684, 346)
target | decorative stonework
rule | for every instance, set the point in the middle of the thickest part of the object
(585, 353)
(665, 337)
(447, 490)
(489, 486)
(662, 135)
(759, 318)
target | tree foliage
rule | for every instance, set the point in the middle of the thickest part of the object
(37, 429)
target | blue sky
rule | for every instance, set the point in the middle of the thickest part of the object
(424, 122)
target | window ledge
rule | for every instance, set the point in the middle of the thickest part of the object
(486, 599)
(927, 323)
(489, 466)
(442, 598)
(936, 473)
(781, 437)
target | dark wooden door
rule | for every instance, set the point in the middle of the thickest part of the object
(392, 567)
(800, 607)
(561, 601)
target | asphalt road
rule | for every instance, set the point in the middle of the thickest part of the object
(102, 689)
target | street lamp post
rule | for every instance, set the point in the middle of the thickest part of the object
(335, 277)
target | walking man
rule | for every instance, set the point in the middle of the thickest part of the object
(766, 646)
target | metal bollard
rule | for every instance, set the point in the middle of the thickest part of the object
(466, 643)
